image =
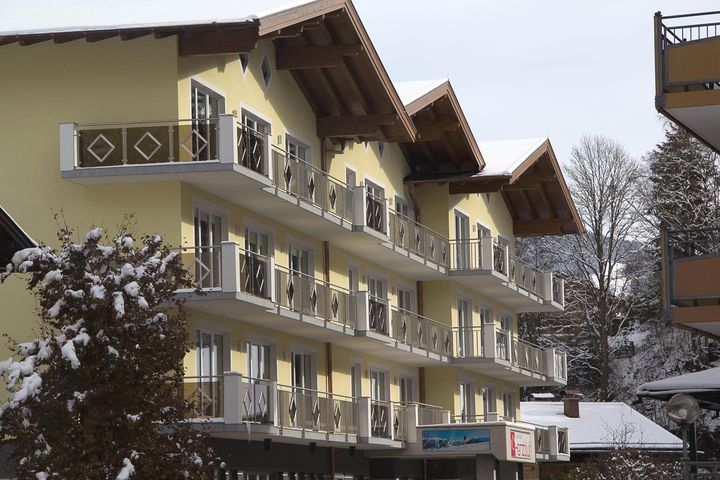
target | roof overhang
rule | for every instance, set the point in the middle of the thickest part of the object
(12, 238)
(323, 43)
(445, 142)
(533, 188)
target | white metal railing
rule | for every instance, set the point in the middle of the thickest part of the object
(203, 395)
(528, 356)
(378, 313)
(304, 180)
(314, 410)
(306, 294)
(252, 149)
(468, 341)
(418, 239)
(502, 344)
(418, 331)
(375, 212)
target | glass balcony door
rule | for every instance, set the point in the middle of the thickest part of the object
(465, 333)
(462, 236)
(208, 236)
(205, 393)
(205, 106)
(255, 268)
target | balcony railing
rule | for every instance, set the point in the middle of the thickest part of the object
(418, 331)
(303, 180)
(311, 296)
(204, 395)
(560, 367)
(375, 212)
(523, 275)
(528, 356)
(468, 342)
(380, 418)
(317, 411)
(419, 239)
(252, 149)
(378, 315)
(688, 32)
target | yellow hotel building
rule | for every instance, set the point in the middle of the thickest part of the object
(355, 243)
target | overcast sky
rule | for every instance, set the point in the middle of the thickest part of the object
(529, 68)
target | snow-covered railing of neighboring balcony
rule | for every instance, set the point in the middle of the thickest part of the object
(306, 294)
(418, 331)
(204, 395)
(418, 239)
(304, 180)
(314, 410)
(141, 143)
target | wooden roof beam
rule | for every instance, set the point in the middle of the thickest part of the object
(532, 181)
(331, 56)
(210, 42)
(542, 227)
(488, 186)
(429, 132)
(354, 126)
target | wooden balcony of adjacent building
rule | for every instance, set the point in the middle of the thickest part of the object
(487, 265)
(691, 278)
(687, 72)
(493, 351)
(239, 164)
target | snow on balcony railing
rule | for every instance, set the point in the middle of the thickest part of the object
(308, 295)
(418, 331)
(303, 180)
(418, 239)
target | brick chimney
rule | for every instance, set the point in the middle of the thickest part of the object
(571, 403)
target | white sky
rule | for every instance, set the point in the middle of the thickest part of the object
(529, 68)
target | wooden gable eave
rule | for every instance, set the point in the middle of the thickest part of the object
(337, 67)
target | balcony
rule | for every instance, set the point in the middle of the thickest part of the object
(491, 350)
(485, 264)
(249, 287)
(691, 267)
(239, 164)
(686, 73)
(235, 406)
(434, 432)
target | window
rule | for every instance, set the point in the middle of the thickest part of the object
(351, 182)
(465, 332)
(296, 149)
(403, 208)
(356, 380)
(353, 279)
(303, 370)
(467, 402)
(208, 236)
(253, 142)
(266, 70)
(259, 361)
(462, 237)
(255, 267)
(406, 299)
(486, 315)
(209, 352)
(378, 304)
(375, 206)
(299, 178)
(301, 269)
(508, 400)
(244, 61)
(205, 106)
(506, 323)
(378, 385)
(407, 389)
(488, 395)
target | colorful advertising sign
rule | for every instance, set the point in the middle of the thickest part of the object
(520, 444)
(456, 440)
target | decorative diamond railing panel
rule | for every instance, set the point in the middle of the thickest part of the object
(420, 332)
(418, 239)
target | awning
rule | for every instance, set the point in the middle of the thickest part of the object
(704, 386)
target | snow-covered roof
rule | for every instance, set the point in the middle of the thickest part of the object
(602, 425)
(503, 157)
(543, 395)
(19, 17)
(706, 381)
(412, 90)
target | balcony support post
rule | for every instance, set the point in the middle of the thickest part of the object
(227, 138)
(230, 260)
(489, 341)
(363, 311)
(272, 287)
(359, 206)
(273, 397)
(486, 245)
(413, 415)
(364, 427)
(232, 401)
(68, 147)
(549, 362)
(391, 420)
(547, 286)
(554, 446)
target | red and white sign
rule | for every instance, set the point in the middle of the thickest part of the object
(520, 444)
